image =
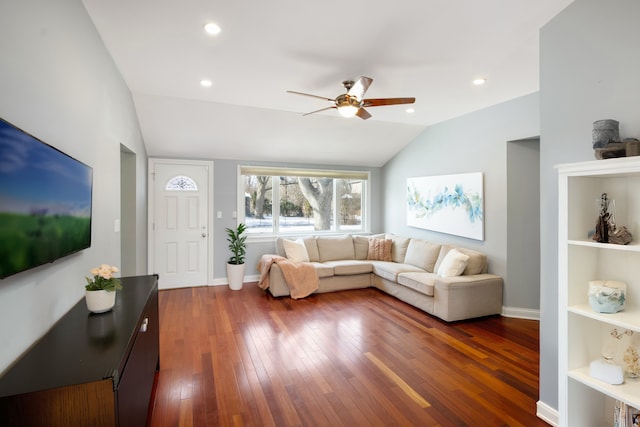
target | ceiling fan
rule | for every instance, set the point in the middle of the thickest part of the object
(352, 103)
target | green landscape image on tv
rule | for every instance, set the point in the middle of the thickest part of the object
(45, 202)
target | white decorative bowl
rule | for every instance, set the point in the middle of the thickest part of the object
(607, 296)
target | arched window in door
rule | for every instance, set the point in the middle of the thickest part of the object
(181, 183)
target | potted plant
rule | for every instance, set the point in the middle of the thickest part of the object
(238, 248)
(100, 290)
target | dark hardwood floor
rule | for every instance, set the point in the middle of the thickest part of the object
(352, 358)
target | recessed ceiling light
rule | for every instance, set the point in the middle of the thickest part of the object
(206, 83)
(479, 81)
(212, 28)
(410, 110)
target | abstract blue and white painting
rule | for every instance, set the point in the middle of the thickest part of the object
(452, 204)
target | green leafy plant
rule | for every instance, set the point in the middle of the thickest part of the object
(237, 244)
(103, 279)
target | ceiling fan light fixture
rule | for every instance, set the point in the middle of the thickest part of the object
(348, 110)
(212, 28)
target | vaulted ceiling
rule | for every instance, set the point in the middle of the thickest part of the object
(428, 49)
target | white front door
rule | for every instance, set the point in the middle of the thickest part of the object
(179, 222)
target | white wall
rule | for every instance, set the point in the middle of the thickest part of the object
(589, 71)
(58, 83)
(476, 142)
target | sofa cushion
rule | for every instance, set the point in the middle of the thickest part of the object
(477, 260)
(295, 250)
(349, 267)
(422, 254)
(379, 249)
(309, 243)
(336, 248)
(420, 282)
(453, 264)
(389, 270)
(323, 270)
(399, 247)
(312, 248)
(361, 246)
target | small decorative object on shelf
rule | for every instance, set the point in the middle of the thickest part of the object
(633, 419)
(609, 369)
(606, 371)
(605, 132)
(625, 415)
(606, 219)
(631, 362)
(606, 229)
(607, 296)
(100, 294)
(607, 144)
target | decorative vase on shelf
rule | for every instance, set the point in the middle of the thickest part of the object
(607, 296)
(100, 301)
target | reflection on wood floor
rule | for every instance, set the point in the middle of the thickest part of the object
(352, 358)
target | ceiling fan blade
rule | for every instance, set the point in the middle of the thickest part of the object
(322, 109)
(363, 114)
(313, 96)
(360, 87)
(375, 102)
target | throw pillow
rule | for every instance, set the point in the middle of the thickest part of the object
(380, 250)
(453, 264)
(296, 250)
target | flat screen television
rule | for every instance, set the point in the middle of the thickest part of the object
(45, 202)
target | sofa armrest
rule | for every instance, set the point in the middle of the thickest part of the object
(464, 297)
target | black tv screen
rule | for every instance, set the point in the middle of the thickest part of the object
(45, 202)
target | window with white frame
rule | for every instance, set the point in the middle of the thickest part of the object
(297, 201)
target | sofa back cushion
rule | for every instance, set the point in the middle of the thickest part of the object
(477, 260)
(336, 248)
(309, 243)
(422, 254)
(398, 247)
(361, 246)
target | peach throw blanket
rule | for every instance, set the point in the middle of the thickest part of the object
(300, 277)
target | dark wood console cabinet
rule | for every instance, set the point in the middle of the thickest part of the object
(89, 369)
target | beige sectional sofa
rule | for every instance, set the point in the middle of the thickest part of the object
(452, 286)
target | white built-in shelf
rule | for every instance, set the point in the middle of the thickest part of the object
(582, 332)
(632, 247)
(626, 319)
(627, 392)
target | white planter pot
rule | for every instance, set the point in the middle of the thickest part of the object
(235, 276)
(100, 301)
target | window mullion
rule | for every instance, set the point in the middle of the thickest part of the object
(336, 208)
(275, 203)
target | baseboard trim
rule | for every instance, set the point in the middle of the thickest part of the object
(547, 414)
(252, 278)
(521, 313)
(221, 281)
